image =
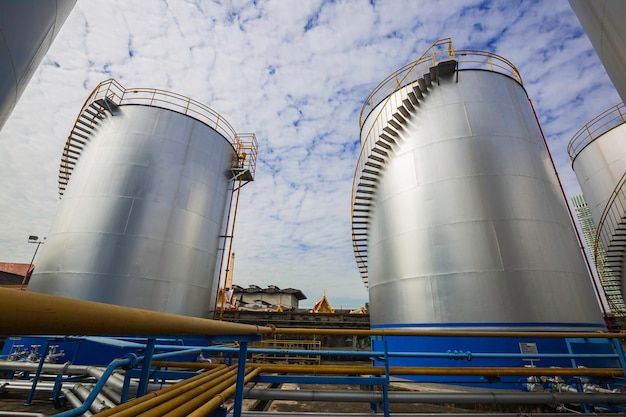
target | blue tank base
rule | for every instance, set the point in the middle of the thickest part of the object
(490, 352)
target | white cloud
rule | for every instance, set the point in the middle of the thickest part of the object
(297, 75)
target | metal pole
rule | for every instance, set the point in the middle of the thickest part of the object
(29, 401)
(241, 372)
(26, 276)
(232, 236)
(145, 368)
(386, 386)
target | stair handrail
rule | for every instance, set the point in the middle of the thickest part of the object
(609, 119)
(378, 96)
(612, 215)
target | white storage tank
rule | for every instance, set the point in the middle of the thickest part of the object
(146, 180)
(459, 222)
(598, 153)
(27, 29)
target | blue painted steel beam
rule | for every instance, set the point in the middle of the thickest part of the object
(241, 373)
(142, 388)
(31, 394)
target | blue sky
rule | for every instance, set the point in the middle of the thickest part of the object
(296, 74)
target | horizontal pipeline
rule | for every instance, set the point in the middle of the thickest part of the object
(43, 314)
(455, 414)
(444, 355)
(437, 398)
(398, 370)
(439, 333)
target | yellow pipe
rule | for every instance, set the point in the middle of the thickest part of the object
(28, 313)
(398, 370)
(164, 394)
(193, 403)
(217, 401)
(391, 332)
(158, 406)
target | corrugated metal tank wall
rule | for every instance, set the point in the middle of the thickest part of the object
(599, 166)
(469, 226)
(139, 224)
(27, 29)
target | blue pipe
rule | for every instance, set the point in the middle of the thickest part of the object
(129, 360)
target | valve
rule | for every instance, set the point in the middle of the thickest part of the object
(34, 353)
(52, 355)
(17, 353)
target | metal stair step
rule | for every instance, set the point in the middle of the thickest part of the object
(399, 117)
(383, 144)
(373, 164)
(368, 178)
(82, 129)
(380, 151)
(408, 106)
(387, 139)
(80, 135)
(422, 86)
(419, 89)
(432, 73)
(391, 131)
(395, 124)
(370, 171)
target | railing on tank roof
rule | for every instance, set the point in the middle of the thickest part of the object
(440, 50)
(602, 123)
(112, 91)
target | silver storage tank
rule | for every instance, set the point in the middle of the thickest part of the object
(603, 21)
(27, 29)
(459, 222)
(140, 221)
(598, 153)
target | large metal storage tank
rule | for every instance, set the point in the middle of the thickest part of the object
(27, 29)
(598, 154)
(146, 179)
(603, 21)
(459, 222)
